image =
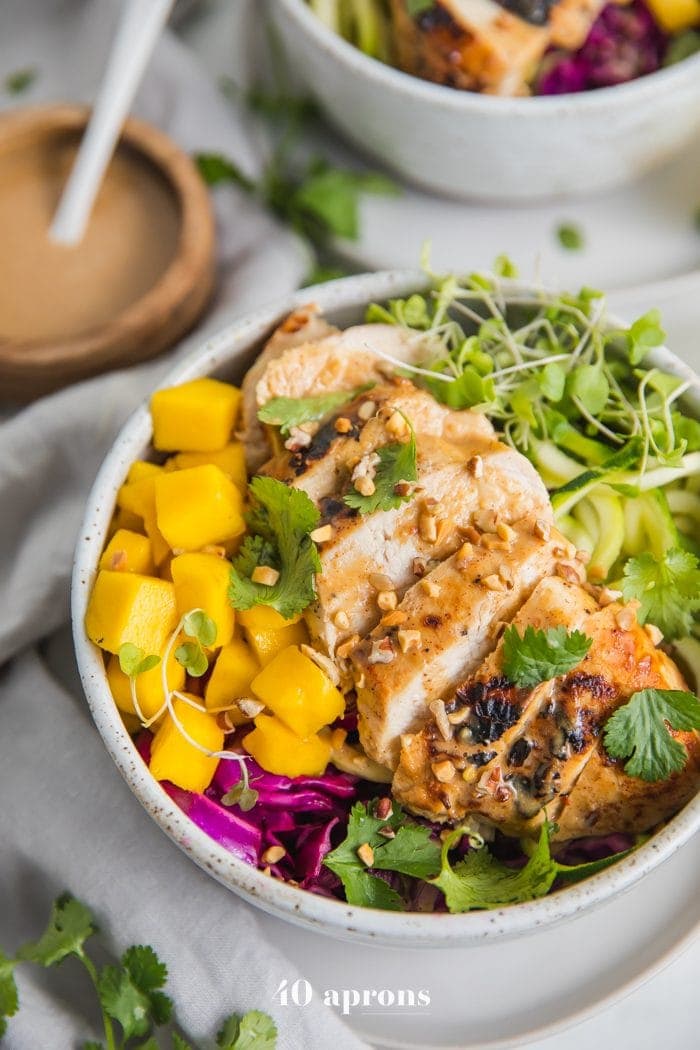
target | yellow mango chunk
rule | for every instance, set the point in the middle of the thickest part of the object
(125, 519)
(278, 750)
(295, 689)
(265, 618)
(201, 582)
(230, 459)
(141, 469)
(175, 759)
(139, 497)
(128, 552)
(127, 607)
(149, 686)
(234, 670)
(266, 644)
(675, 15)
(195, 417)
(197, 507)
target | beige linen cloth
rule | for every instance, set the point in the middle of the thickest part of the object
(67, 820)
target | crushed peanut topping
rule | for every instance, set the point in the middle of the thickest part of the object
(344, 650)
(470, 533)
(382, 652)
(653, 633)
(607, 596)
(297, 439)
(437, 710)
(249, 707)
(465, 554)
(387, 832)
(455, 718)
(408, 640)
(444, 771)
(265, 575)
(397, 426)
(216, 549)
(431, 588)
(427, 527)
(366, 854)
(583, 556)
(475, 466)
(572, 571)
(505, 532)
(367, 410)
(322, 534)
(327, 665)
(542, 529)
(385, 808)
(492, 542)
(626, 618)
(341, 620)
(420, 566)
(380, 581)
(393, 619)
(387, 600)
(365, 486)
(493, 582)
(343, 425)
(338, 738)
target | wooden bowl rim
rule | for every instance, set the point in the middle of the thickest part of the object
(192, 264)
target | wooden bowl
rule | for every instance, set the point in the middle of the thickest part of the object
(155, 320)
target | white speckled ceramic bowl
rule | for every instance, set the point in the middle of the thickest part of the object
(227, 355)
(485, 147)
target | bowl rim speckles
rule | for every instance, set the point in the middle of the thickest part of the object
(225, 355)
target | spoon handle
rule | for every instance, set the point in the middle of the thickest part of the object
(140, 26)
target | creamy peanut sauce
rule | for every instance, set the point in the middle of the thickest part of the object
(50, 292)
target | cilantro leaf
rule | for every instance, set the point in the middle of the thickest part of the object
(288, 412)
(482, 881)
(123, 1001)
(253, 1031)
(145, 968)
(638, 731)
(179, 1043)
(411, 851)
(133, 660)
(20, 81)
(70, 925)
(9, 998)
(331, 196)
(570, 237)
(644, 335)
(537, 656)
(281, 520)
(667, 588)
(397, 462)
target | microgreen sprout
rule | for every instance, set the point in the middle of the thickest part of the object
(133, 662)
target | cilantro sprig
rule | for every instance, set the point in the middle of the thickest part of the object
(130, 992)
(481, 881)
(668, 589)
(638, 732)
(536, 656)
(288, 412)
(280, 522)
(411, 851)
(397, 463)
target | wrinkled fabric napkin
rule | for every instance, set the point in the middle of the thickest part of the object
(67, 821)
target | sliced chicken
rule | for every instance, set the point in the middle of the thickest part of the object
(310, 366)
(485, 45)
(320, 462)
(303, 325)
(430, 526)
(517, 756)
(443, 629)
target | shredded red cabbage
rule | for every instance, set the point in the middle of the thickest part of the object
(624, 43)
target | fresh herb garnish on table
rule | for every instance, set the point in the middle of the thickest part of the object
(280, 522)
(374, 844)
(536, 656)
(289, 412)
(319, 200)
(638, 731)
(668, 589)
(481, 881)
(130, 992)
(20, 81)
(393, 478)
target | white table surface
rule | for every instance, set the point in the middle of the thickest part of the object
(664, 1011)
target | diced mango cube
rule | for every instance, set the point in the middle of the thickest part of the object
(278, 750)
(127, 607)
(195, 417)
(128, 552)
(234, 670)
(149, 686)
(230, 459)
(139, 497)
(141, 469)
(174, 758)
(675, 15)
(201, 582)
(198, 506)
(126, 519)
(265, 618)
(266, 644)
(298, 692)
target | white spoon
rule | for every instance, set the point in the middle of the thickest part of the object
(141, 24)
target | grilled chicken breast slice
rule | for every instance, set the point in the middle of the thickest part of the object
(518, 756)
(396, 543)
(449, 621)
(320, 463)
(486, 45)
(303, 325)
